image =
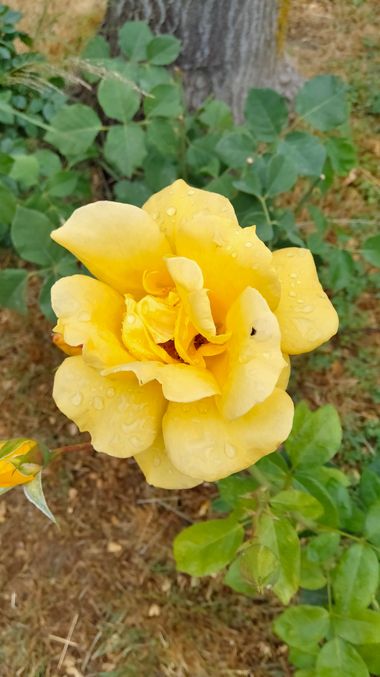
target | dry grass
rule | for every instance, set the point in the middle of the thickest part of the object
(106, 574)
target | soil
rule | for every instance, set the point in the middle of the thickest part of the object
(98, 594)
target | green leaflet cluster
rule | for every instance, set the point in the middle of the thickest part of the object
(299, 526)
(131, 133)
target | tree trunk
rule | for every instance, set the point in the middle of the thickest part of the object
(228, 46)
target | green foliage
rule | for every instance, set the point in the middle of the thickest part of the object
(308, 530)
(134, 135)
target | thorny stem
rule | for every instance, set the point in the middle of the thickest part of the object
(84, 446)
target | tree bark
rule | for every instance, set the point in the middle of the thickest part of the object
(228, 46)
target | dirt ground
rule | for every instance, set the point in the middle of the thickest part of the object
(98, 595)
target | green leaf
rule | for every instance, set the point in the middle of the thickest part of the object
(163, 50)
(163, 101)
(159, 171)
(305, 673)
(201, 156)
(96, 48)
(266, 113)
(302, 625)
(307, 482)
(342, 154)
(361, 628)
(281, 176)
(31, 236)
(25, 170)
(7, 205)
(73, 129)
(339, 659)
(235, 147)
(134, 37)
(274, 468)
(303, 658)
(371, 656)
(222, 184)
(163, 135)
(216, 115)
(62, 183)
(13, 285)
(49, 162)
(132, 192)
(279, 536)
(291, 500)
(259, 566)
(236, 581)
(34, 493)
(119, 100)
(235, 487)
(151, 76)
(312, 576)
(369, 487)
(372, 524)
(208, 547)
(356, 579)
(341, 269)
(371, 250)
(125, 147)
(323, 547)
(316, 436)
(322, 102)
(305, 152)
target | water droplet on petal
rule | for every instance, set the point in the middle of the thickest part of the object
(230, 451)
(131, 319)
(290, 255)
(98, 403)
(293, 276)
(77, 399)
(292, 294)
(110, 392)
(249, 245)
(299, 300)
(155, 216)
(307, 309)
(191, 191)
(156, 461)
(171, 211)
(234, 255)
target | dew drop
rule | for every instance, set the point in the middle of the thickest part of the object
(299, 300)
(290, 255)
(84, 317)
(234, 255)
(171, 211)
(292, 294)
(230, 451)
(110, 392)
(191, 191)
(131, 319)
(98, 403)
(156, 461)
(293, 276)
(249, 245)
(307, 309)
(77, 399)
(155, 216)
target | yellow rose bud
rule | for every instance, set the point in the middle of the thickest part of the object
(16, 462)
(185, 333)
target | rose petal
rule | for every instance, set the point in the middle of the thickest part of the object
(122, 417)
(306, 316)
(202, 444)
(159, 470)
(116, 242)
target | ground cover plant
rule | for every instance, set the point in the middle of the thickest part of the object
(334, 271)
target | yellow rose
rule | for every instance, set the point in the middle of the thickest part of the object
(14, 469)
(184, 336)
